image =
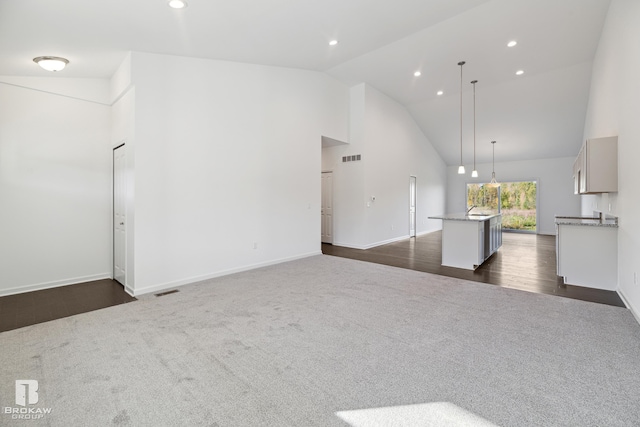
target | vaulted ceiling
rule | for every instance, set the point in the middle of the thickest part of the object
(539, 114)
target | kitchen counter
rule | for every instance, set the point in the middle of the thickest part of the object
(587, 221)
(465, 217)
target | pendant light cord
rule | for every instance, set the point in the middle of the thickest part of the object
(474, 123)
(493, 162)
(461, 63)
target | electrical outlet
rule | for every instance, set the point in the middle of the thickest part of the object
(255, 245)
(609, 207)
(635, 278)
(392, 227)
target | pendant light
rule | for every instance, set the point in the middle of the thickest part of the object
(461, 167)
(493, 182)
(474, 173)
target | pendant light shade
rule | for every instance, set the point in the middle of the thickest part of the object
(493, 182)
(461, 167)
(474, 173)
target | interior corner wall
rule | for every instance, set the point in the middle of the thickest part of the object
(54, 182)
(123, 132)
(613, 109)
(227, 165)
(555, 187)
(348, 178)
(392, 148)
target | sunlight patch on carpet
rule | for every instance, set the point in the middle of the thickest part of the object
(419, 415)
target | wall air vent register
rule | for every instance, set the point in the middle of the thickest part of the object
(354, 158)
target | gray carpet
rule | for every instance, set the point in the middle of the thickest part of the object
(327, 341)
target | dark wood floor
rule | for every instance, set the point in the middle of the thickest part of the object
(525, 261)
(30, 308)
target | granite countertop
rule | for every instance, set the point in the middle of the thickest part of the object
(587, 221)
(465, 217)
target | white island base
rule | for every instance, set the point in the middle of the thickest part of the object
(468, 240)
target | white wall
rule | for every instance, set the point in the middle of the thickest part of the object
(393, 148)
(54, 182)
(614, 108)
(555, 186)
(227, 156)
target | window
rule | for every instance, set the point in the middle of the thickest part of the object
(517, 203)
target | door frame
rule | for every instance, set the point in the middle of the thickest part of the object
(322, 205)
(113, 214)
(413, 180)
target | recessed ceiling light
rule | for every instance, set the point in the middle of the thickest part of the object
(417, 74)
(519, 73)
(177, 4)
(333, 42)
(51, 63)
(440, 92)
(512, 43)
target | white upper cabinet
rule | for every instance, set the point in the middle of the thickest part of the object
(596, 167)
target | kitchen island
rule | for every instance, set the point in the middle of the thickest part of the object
(469, 239)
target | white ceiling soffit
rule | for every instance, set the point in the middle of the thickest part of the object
(94, 35)
(539, 114)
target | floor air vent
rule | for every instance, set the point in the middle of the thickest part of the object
(167, 293)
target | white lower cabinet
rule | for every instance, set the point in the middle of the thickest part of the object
(588, 255)
(495, 234)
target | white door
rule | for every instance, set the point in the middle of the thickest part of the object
(119, 215)
(326, 208)
(412, 206)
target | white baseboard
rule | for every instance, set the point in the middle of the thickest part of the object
(386, 242)
(53, 284)
(422, 233)
(630, 306)
(383, 242)
(347, 245)
(195, 279)
(372, 245)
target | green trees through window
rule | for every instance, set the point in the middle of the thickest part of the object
(517, 203)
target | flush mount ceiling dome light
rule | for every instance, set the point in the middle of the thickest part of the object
(177, 4)
(51, 63)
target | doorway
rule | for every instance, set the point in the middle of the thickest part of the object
(412, 206)
(119, 215)
(326, 208)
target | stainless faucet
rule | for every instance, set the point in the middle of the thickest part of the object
(469, 210)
